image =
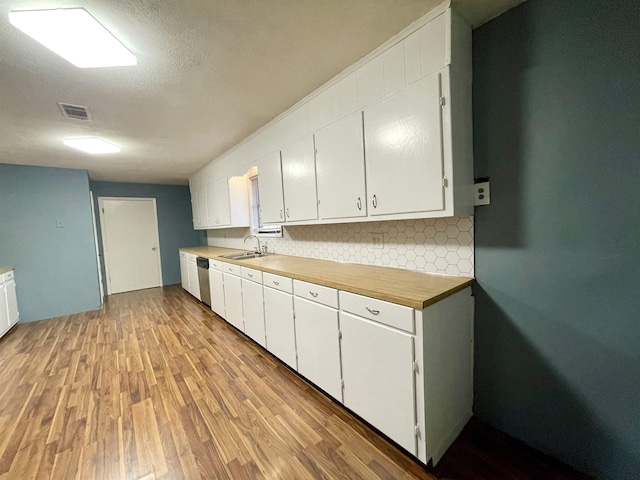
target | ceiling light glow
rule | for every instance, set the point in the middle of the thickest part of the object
(93, 145)
(75, 35)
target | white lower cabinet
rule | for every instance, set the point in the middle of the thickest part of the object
(253, 305)
(379, 385)
(184, 271)
(233, 300)
(216, 287)
(194, 282)
(8, 302)
(318, 345)
(279, 321)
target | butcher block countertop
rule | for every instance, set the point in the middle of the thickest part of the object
(413, 289)
(5, 269)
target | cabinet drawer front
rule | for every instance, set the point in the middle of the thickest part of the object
(284, 284)
(216, 264)
(251, 274)
(183, 255)
(232, 269)
(391, 314)
(191, 257)
(316, 293)
(8, 275)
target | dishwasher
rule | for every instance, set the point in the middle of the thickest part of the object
(203, 280)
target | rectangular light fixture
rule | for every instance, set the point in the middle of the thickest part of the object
(93, 145)
(75, 35)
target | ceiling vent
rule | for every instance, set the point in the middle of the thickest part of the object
(74, 111)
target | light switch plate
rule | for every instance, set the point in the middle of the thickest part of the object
(482, 194)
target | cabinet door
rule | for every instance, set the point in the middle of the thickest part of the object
(279, 325)
(221, 192)
(233, 301)
(299, 180)
(184, 273)
(253, 306)
(217, 291)
(194, 282)
(12, 302)
(318, 345)
(211, 220)
(379, 385)
(270, 188)
(403, 145)
(340, 163)
(195, 209)
(4, 313)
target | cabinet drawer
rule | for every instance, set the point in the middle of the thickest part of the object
(316, 293)
(251, 274)
(7, 275)
(284, 284)
(191, 257)
(183, 254)
(391, 314)
(216, 264)
(232, 269)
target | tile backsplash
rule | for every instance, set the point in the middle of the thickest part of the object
(433, 245)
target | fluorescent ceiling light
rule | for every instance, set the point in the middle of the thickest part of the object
(75, 35)
(93, 145)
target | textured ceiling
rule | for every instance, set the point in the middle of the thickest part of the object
(209, 73)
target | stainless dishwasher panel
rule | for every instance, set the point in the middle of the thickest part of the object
(203, 280)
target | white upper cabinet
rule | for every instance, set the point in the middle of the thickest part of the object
(403, 145)
(415, 94)
(299, 180)
(270, 187)
(340, 166)
(220, 202)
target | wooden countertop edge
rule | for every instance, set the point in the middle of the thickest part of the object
(348, 287)
(4, 270)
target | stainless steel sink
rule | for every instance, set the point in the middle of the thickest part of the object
(243, 255)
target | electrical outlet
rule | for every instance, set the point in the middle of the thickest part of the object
(482, 193)
(376, 239)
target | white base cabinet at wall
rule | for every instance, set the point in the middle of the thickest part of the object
(194, 282)
(184, 271)
(216, 286)
(233, 295)
(278, 318)
(253, 305)
(377, 363)
(9, 315)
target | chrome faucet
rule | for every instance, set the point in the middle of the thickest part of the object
(258, 251)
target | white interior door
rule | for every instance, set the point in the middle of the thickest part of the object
(130, 243)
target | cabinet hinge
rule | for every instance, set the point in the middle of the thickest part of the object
(445, 182)
(416, 431)
(443, 101)
(342, 384)
(103, 210)
(415, 367)
(339, 334)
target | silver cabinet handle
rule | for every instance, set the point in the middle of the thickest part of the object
(250, 275)
(314, 295)
(373, 312)
(359, 204)
(375, 202)
(276, 283)
(287, 212)
(280, 213)
(154, 248)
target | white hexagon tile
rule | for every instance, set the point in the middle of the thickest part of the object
(433, 245)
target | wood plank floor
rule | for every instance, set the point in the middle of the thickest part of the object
(155, 385)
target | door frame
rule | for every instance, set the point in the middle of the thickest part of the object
(105, 249)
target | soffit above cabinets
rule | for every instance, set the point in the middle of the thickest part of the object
(209, 73)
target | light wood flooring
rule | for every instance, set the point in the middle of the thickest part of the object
(155, 385)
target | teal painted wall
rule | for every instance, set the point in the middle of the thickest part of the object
(56, 268)
(175, 227)
(557, 129)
